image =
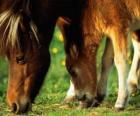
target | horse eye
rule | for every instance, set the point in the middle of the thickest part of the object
(20, 60)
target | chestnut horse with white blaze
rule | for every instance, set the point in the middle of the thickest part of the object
(26, 30)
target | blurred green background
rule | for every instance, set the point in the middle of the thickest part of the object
(50, 100)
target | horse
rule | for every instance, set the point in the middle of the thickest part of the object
(114, 19)
(107, 61)
(26, 31)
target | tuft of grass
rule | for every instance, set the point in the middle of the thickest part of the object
(49, 102)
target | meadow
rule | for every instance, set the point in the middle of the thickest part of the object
(49, 102)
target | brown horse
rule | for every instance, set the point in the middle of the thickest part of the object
(28, 61)
(114, 19)
(26, 30)
(107, 61)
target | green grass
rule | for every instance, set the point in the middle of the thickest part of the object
(50, 100)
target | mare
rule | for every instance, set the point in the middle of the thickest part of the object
(26, 28)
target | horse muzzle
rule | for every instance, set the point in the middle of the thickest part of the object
(22, 106)
(87, 101)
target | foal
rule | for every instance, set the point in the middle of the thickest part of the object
(114, 19)
(107, 61)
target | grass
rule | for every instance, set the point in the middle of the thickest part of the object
(49, 101)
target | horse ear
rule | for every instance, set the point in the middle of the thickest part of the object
(74, 52)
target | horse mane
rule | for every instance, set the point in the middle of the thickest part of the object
(13, 21)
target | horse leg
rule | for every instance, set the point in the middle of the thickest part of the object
(120, 57)
(107, 61)
(133, 78)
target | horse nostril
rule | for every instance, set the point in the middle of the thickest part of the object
(81, 97)
(14, 108)
(20, 108)
(84, 97)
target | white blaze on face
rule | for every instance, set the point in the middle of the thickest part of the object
(71, 91)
